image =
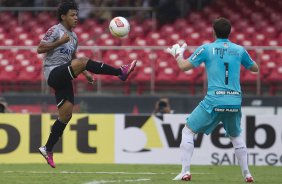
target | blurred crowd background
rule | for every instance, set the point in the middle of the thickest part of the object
(167, 10)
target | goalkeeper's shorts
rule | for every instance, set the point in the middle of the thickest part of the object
(200, 121)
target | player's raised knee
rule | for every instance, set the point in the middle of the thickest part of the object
(84, 59)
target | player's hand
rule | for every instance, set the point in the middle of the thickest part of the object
(65, 38)
(177, 51)
(90, 79)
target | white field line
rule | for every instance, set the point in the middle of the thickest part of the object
(90, 172)
(117, 181)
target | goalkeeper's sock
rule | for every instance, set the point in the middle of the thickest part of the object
(102, 68)
(186, 149)
(241, 154)
(56, 132)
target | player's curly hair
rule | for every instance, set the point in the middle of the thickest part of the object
(222, 27)
(64, 7)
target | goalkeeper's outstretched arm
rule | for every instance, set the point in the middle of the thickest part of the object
(184, 64)
(177, 52)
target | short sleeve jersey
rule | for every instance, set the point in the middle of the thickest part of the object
(61, 54)
(223, 60)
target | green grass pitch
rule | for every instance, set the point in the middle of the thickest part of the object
(130, 173)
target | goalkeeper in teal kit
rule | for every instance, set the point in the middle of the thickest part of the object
(222, 103)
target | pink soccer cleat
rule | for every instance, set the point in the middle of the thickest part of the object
(126, 70)
(47, 155)
(184, 176)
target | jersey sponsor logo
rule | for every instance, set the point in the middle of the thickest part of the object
(233, 52)
(226, 109)
(65, 51)
(220, 92)
(198, 53)
(219, 51)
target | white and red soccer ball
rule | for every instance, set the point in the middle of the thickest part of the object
(119, 27)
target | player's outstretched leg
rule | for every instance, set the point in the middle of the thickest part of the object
(126, 70)
(47, 155)
(101, 68)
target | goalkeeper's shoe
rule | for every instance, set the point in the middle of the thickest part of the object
(126, 70)
(47, 155)
(183, 176)
(249, 178)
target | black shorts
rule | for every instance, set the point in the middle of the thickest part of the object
(60, 79)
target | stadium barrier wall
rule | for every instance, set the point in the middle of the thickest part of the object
(180, 104)
(146, 139)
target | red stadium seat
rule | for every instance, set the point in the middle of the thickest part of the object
(8, 76)
(275, 80)
(180, 24)
(143, 79)
(29, 78)
(8, 72)
(167, 30)
(187, 80)
(29, 73)
(137, 31)
(249, 81)
(109, 82)
(165, 75)
(164, 78)
(139, 42)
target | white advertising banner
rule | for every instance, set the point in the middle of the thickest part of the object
(155, 140)
(279, 110)
(253, 110)
(146, 139)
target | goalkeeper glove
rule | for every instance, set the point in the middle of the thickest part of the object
(177, 51)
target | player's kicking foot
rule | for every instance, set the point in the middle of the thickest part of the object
(47, 155)
(249, 178)
(126, 70)
(183, 176)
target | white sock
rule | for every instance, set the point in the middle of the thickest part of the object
(241, 153)
(186, 148)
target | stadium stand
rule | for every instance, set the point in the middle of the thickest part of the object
(262, 28)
